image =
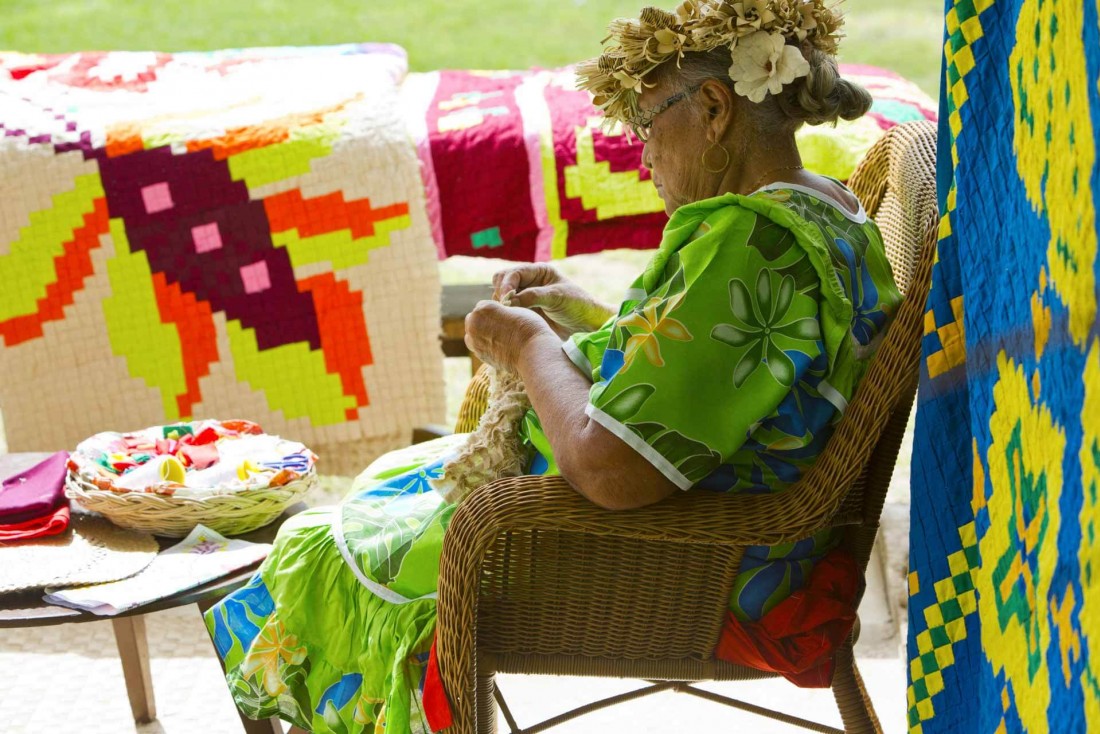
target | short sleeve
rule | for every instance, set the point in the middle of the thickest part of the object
(585, 349)
(712, 350)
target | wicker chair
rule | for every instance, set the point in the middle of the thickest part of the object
(536, 579)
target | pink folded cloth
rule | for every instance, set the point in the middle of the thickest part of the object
(34, 493)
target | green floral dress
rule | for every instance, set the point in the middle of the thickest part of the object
(727, 367)
(735, 353)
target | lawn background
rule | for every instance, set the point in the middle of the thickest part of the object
(903, 35)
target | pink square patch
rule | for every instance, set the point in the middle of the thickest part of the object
(255, 277)
(157, 197)
(206, 237)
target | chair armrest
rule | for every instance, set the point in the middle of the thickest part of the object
(550, 503)
(474, 402)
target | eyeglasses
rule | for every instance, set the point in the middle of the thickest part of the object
(642, 124)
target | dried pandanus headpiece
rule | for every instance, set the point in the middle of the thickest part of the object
(765, 38)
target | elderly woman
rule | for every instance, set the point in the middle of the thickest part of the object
(725, 367)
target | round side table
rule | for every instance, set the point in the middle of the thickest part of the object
(28, 610)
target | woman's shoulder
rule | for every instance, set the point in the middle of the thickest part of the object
(786, 204)
(783, 221)
(835, 205)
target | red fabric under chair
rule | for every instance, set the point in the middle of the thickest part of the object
(799, 636)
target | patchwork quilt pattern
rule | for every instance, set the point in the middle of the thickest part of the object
(516, 166)
(1004, 609)
(220, 234)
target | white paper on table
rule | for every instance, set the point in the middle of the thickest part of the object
(202, 556)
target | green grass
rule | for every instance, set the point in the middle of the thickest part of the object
(487, 34)
(903, 35)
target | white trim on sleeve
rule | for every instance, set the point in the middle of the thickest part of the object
(632, 440)
(833, 395)
(577, 357)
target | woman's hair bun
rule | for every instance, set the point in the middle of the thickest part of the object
(822, 96)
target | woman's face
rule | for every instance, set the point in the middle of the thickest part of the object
(677, 139)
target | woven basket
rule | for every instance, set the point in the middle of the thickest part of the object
(229, 513)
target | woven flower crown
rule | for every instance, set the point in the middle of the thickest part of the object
(765, 38)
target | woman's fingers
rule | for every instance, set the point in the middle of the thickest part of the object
(523, 276)
(496, 333)
(510, 282)
(538, 297)
(499, 289)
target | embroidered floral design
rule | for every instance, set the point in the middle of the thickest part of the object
(765, 322)
(271, 650)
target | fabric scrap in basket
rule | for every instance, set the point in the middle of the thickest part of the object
(197, 459)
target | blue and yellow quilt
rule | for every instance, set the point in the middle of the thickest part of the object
(1005, 564)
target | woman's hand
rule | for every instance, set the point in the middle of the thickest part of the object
(497, 334)
(567, 307)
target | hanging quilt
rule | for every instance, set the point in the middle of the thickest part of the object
(1004, 612)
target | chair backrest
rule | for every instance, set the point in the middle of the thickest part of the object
(896, 182)
(848, 482)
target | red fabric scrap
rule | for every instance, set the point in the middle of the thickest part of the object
(242, 427)
(799, 636)
(206, 436)
(199, 457)
(437, 709)
(40, 527)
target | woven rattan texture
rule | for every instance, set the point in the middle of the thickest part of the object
(231, 513)
(532, 574)
(474, 403)
(93, 551)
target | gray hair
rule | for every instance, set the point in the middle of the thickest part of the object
(820, 97)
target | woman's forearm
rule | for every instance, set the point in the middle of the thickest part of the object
(593, 460)
(558, 393)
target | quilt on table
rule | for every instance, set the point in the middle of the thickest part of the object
(1004, 612)
(515, 165)
(228, 234)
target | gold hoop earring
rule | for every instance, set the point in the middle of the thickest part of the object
(706, 153)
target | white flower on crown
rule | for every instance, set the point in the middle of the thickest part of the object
(763, 63)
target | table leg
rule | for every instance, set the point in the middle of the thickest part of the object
(251, 726)
(134, 653)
